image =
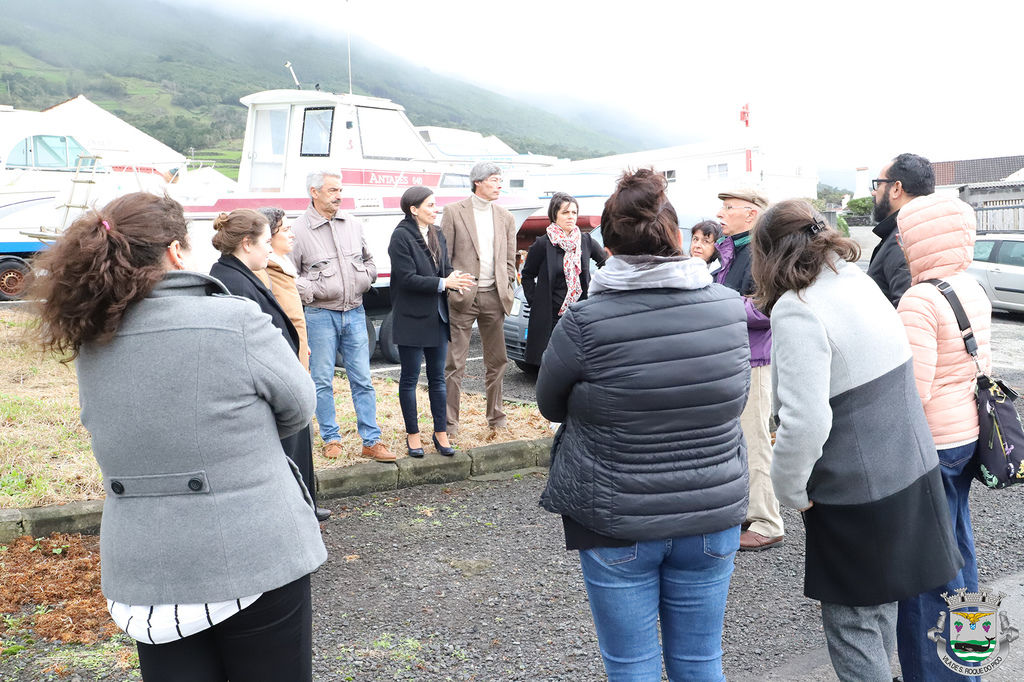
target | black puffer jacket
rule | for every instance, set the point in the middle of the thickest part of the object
(888, 266)
(650, 385)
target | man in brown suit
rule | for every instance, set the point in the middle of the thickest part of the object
(481, 240)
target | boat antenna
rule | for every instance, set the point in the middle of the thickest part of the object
(349, 26)
(288, 65)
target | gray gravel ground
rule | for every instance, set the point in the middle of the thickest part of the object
(470, 581)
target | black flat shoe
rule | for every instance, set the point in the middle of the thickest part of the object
(413, 452)
(447, 452)
(322, 514)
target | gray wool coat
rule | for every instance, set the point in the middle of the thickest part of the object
(186, 407)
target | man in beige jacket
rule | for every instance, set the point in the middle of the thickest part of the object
(335, 269)
(481, 240)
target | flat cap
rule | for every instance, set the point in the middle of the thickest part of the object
(746, 194)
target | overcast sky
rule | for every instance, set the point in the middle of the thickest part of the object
(851, 83)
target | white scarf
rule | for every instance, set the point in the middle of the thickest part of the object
(629, 273)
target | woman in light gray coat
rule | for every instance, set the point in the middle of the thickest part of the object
(853, 451)
(208, 534)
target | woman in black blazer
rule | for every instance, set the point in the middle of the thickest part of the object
(421, 275)
(243, 238)
(556, 273)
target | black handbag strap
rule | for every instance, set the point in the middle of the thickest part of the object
(970, 343)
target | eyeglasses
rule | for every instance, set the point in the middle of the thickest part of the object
(880, 181)
(729, 208)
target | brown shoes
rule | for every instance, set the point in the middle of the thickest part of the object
(379, 452)
(332, 450)
(755, 542)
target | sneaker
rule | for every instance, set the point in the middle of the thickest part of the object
(378, 452)
(333, 449)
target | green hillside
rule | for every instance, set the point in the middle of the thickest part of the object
(177, 73)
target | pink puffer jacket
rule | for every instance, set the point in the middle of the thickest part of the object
(938, 233)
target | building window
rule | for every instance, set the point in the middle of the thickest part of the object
(718, 170)
(669, 175)
(316, 131)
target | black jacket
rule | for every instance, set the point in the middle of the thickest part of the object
(650, 385)
(739, 277)
(419, 312)
(240, 281)
(545, 288)
(888, 266)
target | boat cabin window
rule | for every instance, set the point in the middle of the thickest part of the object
(317, 123)
(57, 152)
(454, 180)
(516, 183)
(386, 134)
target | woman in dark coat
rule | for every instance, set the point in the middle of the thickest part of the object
(421, 275)
(556, 273)
(244, 240)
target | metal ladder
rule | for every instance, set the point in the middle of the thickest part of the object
(85, 177)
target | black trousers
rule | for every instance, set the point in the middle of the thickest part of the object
(299, 448)
(411, 357)
(271, 641)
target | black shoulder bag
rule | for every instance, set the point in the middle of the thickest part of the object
(1000, 448)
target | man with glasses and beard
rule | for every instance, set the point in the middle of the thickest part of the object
(906, 177)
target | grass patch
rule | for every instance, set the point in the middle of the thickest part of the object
(45, 454)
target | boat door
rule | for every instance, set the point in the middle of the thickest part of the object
(269, 144)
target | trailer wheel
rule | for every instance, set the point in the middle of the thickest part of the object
(14, 276)
(388, 347)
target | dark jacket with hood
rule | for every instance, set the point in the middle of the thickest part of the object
(649, 375)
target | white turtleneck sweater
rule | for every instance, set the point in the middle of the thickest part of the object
(483, 215)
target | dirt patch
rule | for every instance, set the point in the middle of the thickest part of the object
(45, 454)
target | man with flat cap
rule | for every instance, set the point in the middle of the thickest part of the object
(740, 211)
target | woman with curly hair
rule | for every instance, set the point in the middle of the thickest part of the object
(207, 539)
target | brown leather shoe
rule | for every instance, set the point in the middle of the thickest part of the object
(755, 542)
(333, 449)
(379, 452)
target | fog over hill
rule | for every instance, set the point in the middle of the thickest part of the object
(178, 72)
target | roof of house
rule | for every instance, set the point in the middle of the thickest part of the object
(968, 171)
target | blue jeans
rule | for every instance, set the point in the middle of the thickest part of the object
(684, 581)
(411, 357)
(329, 332)
(918, 659)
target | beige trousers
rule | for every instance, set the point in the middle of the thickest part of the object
(487, 311)
(763, 511)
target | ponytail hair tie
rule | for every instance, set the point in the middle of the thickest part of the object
(105, 225)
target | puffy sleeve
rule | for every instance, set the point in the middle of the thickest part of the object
(560, 369)
(920, 320)
(801, 380)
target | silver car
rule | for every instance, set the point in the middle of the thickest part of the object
(999, 268)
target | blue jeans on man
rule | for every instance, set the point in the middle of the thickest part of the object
(683, 580)
(918, 658)
(331, 332)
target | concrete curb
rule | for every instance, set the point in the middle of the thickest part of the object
(358, 479)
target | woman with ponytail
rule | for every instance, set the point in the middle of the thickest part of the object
(207, 540)
(852, 452)
(648, 470)
(244, 240)
(556, 273)
(421, 276)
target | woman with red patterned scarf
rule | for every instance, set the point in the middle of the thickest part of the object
(556, 273)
